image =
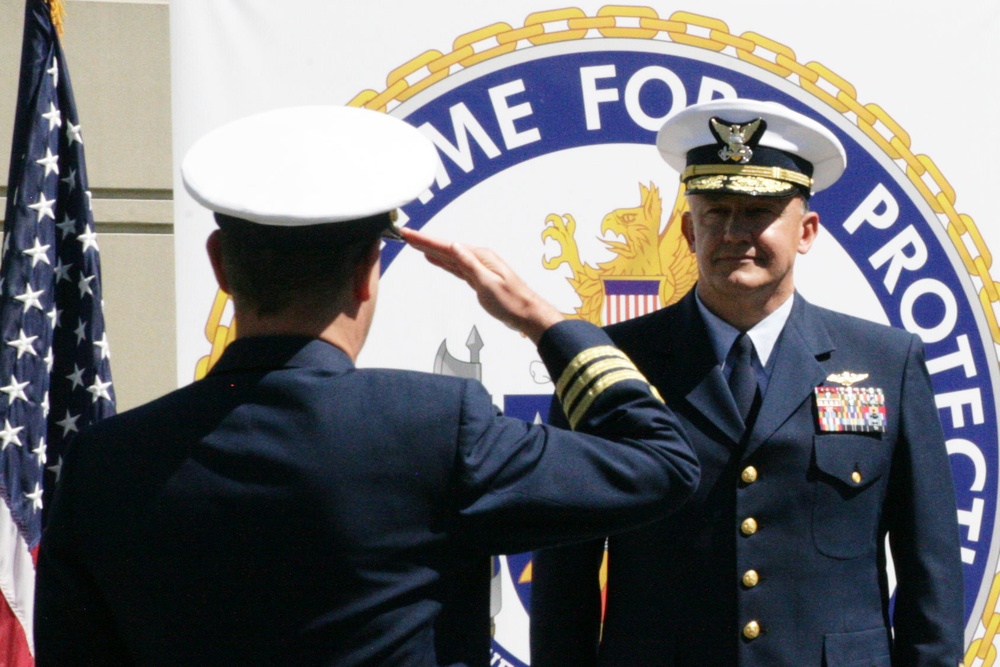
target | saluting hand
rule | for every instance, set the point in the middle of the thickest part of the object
(501, 292)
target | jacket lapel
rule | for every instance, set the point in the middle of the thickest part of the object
(796, 371)
(692, 372)
(712, 398)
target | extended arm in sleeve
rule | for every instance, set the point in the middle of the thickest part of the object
(527, 486)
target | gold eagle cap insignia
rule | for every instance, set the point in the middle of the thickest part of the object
(846, 378)
(735, 137)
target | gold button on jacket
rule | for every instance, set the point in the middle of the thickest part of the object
(749, 475)
(749, 526)
(751, 630)
(751, 578)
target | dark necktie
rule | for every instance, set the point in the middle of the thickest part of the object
(743, 379)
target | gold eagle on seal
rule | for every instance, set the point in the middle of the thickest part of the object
(650, 250)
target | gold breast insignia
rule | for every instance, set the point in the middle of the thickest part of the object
(846, 378)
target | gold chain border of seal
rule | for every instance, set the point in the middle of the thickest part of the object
(690, 29)
(695, 30)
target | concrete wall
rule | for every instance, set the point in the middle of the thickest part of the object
(118, 55)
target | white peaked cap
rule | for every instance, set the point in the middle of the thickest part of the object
(786, 130)
(309, 165)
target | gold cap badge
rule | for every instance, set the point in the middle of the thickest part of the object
(736, 138)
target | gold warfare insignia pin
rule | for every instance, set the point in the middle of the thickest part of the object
(850, 409)
(847, 378)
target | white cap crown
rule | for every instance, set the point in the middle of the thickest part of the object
(309, 165)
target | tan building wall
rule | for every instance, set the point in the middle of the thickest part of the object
(118, 55)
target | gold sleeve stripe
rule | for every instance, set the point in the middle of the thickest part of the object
(582, 359)
(589, 374)
(597, 388)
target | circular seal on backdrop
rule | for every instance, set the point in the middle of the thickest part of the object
(545, 135)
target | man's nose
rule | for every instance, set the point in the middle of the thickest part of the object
(735, 227)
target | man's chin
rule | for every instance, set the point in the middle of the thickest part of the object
(743, 280)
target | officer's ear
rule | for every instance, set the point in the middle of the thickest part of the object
(214, 248)
(808, 231)
(366, 273)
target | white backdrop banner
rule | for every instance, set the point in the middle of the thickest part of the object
(544, 118)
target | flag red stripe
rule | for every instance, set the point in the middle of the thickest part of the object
(14, 650)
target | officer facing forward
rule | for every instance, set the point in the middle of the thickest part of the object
(817, 435)
(292, 509)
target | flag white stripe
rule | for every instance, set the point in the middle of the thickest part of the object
(17, 574)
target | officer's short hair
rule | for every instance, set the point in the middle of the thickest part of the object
(272, 269)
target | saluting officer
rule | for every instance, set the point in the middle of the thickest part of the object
(292, 509)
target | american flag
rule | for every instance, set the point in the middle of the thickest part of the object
(55, 375)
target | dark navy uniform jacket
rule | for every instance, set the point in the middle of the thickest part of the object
(291, 509)
(779, 557)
